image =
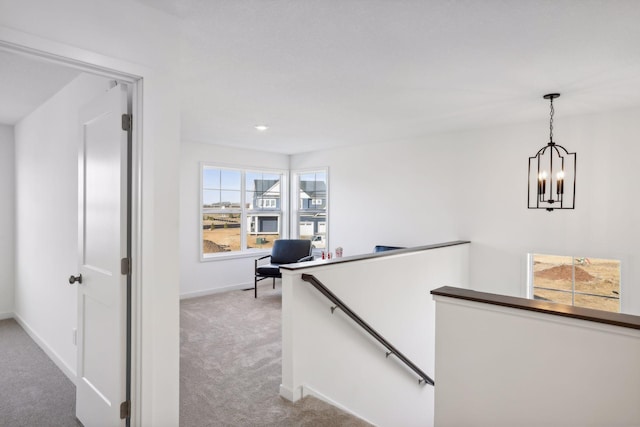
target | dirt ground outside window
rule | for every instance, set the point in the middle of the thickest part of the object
(600, 278)
(229, 239)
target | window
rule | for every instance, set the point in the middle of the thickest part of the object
(311, 216)
(580, 281)
(266, 203)
(241, 210)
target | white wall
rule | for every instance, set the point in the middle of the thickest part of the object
(472, 186)
(46, 163)
(203, 277)
(397, 194)
(126, 36)
(502, 367)
(329, 356)
(603, 225)
(7, 220)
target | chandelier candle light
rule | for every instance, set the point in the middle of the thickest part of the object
(549, 172)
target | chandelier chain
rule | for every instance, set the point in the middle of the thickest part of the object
(551, 122)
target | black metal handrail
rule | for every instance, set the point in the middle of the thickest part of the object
(342, 306)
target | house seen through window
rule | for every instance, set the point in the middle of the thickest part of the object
(241, 210)
(579, 281)
(311, 213)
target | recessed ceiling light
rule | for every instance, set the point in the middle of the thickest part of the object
(262, 128)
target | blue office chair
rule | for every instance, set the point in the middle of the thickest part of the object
(382, 248)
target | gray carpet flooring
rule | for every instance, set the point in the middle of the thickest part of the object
(229, 371)
(33, 391)
(230, 368)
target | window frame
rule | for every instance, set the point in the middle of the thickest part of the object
(530, 292)
(296, 205)
(245, 211)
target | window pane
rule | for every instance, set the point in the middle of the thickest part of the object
(552, 296)
(221, 232)
(555, 272)
(250, 200)
(230, 199)
(211, 198)
(263, 230)
(264, 201)
(221, 188)
(230, 180)
(581, 281)
(306, 230)
(311, 206)
(598, 276)
(225, 205)
(598, 303)
(210, 178)
(263, 191)
(313, 191)
(262, 182)
(310, 225)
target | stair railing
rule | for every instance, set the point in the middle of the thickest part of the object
(310, 278)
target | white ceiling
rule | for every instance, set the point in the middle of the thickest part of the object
(25, 83)
(326, 73)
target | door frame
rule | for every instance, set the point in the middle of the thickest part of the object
(68, 56)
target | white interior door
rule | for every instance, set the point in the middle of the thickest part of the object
(101, 382)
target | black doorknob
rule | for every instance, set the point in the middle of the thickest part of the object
(74, 279)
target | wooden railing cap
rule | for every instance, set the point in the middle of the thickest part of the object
(552, 308)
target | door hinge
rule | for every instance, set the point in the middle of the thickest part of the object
(127, 120)
(125, 266)
(125, 409)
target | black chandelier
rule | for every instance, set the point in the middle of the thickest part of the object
(550, 170)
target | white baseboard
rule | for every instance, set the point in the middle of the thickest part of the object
(308, 391)
(291, 395)
(205, 292)
(6, 316)
(70, 373)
